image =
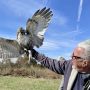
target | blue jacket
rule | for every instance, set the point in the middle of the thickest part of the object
(82, 81)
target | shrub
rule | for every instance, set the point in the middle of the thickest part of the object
(24, 69)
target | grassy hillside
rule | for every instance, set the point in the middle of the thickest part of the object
(21, 83)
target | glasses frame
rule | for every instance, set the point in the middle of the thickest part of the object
(77, 57)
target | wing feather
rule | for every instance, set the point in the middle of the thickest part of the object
(37, 26)
(41, 11)
(37, 12)
(9, 48)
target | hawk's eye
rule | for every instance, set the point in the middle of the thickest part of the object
(22, 33)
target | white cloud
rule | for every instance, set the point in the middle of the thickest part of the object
(45, 2)
(8, 36)
(27, 8)
(22, 8)
(80, 10)
(72, 33)
(49, 45)
(57, 44)
(69, 34)
(67, 55)
(59, 19)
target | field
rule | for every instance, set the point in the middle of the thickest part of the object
(25, 83)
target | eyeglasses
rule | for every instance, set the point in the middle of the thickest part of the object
(77, 57)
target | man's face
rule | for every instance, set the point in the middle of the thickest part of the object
(79, 61)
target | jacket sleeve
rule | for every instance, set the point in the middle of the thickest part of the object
(52, 64)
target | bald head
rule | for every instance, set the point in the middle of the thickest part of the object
(85, 45)
(79, 51)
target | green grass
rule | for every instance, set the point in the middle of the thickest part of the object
(24, 83)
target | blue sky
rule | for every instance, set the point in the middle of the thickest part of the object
(69, 24)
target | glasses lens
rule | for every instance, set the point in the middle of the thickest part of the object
(77, 57)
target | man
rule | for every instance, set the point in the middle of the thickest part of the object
(76, 71)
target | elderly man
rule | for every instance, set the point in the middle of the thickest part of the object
(76, 71)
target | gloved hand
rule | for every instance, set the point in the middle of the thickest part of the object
(34, 53)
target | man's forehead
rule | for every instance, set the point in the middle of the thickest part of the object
(79, 50)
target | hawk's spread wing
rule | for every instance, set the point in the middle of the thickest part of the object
(37, 26)
(9, 48)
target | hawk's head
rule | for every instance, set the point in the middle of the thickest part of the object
(21, 31)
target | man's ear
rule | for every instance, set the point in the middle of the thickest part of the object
(84, 64)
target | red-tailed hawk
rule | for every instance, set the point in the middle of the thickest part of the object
(30, 37)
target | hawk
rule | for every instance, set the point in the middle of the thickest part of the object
(32, 36)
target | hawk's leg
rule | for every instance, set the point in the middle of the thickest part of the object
(30, 57)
